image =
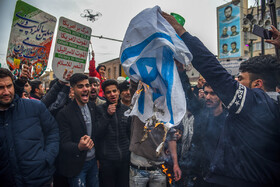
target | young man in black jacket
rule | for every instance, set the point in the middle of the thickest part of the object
(248, 150)
(76, 124)
(112, 138)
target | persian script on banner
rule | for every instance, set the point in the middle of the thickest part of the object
(30, 39)
(71, 47)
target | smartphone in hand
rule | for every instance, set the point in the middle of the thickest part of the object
(262, 32)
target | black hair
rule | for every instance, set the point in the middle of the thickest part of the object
(225, 45)
(99, 66)
(233, 43)
(109, 82)
(93, 80)
(233, 26)
(53, 82)
(124, 86)
(34, 84)
(77, 77)
(6, 73)
(206, 85)
(266, 67)
(228, 8)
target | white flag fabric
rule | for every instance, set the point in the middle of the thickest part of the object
(147, 54)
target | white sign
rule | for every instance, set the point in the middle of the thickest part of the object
(71, 48)
(232, 66)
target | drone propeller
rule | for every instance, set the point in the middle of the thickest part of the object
(98, 14)
(83, 15)
(88, 11)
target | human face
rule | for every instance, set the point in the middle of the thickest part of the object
(7, 92)
(244, 79)
(225, 47)
(112, 94)
(224, 31)
(25, 95)
(81, 92)
(228, 13)
(125, 96)
(233, 29)
(101, 71)
(94, 90)
(212, 100)
(233, 46)
(41, 90)
(27, 87)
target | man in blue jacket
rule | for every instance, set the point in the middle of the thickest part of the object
(29, 138)
(248, 152)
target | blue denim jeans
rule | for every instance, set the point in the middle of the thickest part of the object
(88, 177)
(140, 178)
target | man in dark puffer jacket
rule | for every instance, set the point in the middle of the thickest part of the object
(29, 138)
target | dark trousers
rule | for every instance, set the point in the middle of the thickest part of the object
(113, 173)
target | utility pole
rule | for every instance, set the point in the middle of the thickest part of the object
(262, 18)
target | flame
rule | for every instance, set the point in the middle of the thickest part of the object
(165, 170)
(157, 124)
(139, 91)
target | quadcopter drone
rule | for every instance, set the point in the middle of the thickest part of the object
(88, 13)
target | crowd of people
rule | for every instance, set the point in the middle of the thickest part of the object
(77, 134)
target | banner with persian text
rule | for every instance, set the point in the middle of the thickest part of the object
(30, 39)
(71, 48)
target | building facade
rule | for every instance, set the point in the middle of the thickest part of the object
(113, 68)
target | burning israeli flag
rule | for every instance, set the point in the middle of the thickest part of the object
(147, 55)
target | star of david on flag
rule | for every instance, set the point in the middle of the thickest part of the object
(147, 55)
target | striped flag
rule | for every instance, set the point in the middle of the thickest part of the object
(147, 55)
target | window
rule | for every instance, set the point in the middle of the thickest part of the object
(268, 46)
(109, 73)
(115, 73)
(257, 46)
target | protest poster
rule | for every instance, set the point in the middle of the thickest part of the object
(30, 39)
(71, 48)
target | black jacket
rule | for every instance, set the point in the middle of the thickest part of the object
(71, 128)
(112, 133)
(248, 152)
(57, 98)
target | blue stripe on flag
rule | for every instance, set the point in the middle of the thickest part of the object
(131, 71)
(168, 77)
(141, 102)
(150, 74)
(156, 95)
(137, 49)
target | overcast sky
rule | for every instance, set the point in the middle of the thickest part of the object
(200, 18)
